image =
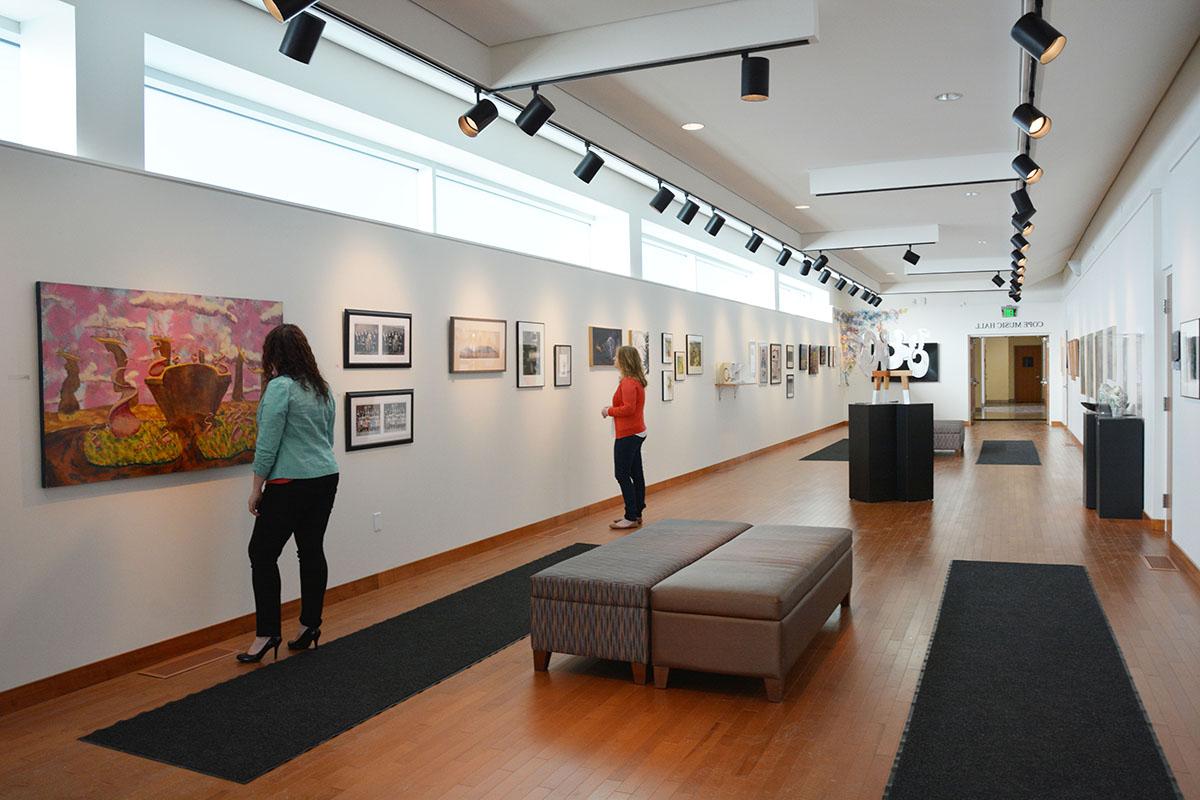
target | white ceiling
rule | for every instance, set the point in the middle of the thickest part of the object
(865, 93)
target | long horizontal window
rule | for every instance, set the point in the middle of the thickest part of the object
(10, 86)
(804, 300)
(676, 260)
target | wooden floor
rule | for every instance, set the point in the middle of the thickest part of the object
(583, 729)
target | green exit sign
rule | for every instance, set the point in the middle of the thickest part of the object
(1008, 311)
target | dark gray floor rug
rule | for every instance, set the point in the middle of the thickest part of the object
(1024, 694)
(247, 726)
(838, 451)
(1009, 451)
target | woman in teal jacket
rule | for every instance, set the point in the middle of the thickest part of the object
(295, 480)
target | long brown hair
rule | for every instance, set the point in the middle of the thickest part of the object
(286, 352)
(629, 361)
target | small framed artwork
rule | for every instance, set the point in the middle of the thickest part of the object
(695, 354)
(603, 344)
(803, 366)
(814, 366)
(531, 355)
(680, 365)
(776, 364)
(1189, 367)
(562, 365)
(378, 419)
(376, 339)
(668, 347)
(668, 385)
(641, 340)
(752, 363)
(764, 363)
(821, 354)
(790, 356)
(478, 345)
(791, 385)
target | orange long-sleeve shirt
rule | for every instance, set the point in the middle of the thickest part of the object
(627, 405)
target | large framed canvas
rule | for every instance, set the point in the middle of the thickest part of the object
(378, 419)
(776, 364)
(376, 339)
(668, 348)
(1189, 351)
(668, 385)
(790, 356)
(136, 383)
(680, 365)
(562, 365)
(603, 344)
(531, 355)
(764, 363)
(641, 340)
(695, 354)
(791, 385)
(478, 345)
(803, 365)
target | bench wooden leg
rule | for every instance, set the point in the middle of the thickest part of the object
(541, 660)
(661, 674)
(846, 601)
(774, 689)
(639, 672)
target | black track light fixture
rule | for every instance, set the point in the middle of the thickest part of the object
(854, 290)
(821, 261)
(1038, 38)
(1024, 206)
(302, 36)
(534, 116)
(877, 300)
(866, 297)
(754, 242)
(785, 255)
(1027, 168)
(825, 275)
(1025, 228)
(1020, 242)
(284, 10)
(996, 279)
(1018, 258)
(715, 223)
(805, 267)
(480, 115)
(662, 198)
(589, 166)
(910, 256)
(688, 212)
(1029, 119)
(756, 78)
(841, 284)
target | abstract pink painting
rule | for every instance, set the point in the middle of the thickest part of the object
(144, 383)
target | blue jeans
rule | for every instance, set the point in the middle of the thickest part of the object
(627, 460)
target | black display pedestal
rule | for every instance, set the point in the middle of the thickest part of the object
(1089, 458)
(891, 452)
(1120, 466)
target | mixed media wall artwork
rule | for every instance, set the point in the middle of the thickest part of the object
(680, 365)
(803, 366)
(140, 383)
(695, 354)
(531, 355)
(776, 363)
(603, 344)
(668, 385)
(764, 363)
(478, 345)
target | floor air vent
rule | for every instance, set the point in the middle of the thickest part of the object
(1161, 563)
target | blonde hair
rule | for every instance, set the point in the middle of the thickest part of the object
(629, 361)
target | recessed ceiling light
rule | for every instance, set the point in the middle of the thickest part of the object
(982, 241)
(858, 248)
(891, 273)
(971, 194)
(802, 207)
(948, 97)
(692, 126)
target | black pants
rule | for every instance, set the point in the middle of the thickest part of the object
(300, 507)
(627, 459)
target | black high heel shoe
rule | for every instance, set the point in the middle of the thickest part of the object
(310, 636)
(254, 658)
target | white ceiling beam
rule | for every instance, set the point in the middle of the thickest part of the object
(951, 266)
(671, 37)
(871, 237)
(890, 176)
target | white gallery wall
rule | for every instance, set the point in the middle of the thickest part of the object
(92, 571)
(1149, 227)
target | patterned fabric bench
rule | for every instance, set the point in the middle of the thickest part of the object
(949, 434)
(598, 604)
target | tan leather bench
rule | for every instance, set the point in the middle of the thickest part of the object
(752, 605)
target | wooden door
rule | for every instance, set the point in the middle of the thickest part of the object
(1027, 373)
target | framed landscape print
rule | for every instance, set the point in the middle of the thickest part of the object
(641, 340)
(776, 364)
(680, 365)
(790, 356)
(135, 383)
(803, 366)
(602, 346)
(695, 354)
(378, 419)
(562, 365)
(764, 363)
(478, 345)
(791, 385)
(376, 339)
(531, 355)
(1189, 362)
(668, 347)
(668, 385)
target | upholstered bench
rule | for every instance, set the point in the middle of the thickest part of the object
(751, 606)
(598, 603)
(949, 434)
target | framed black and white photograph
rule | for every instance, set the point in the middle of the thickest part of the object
(695, 354)
(531, 355)
(373, 339)
(790, 356)
(791, 385)
(378, 419)
(680, 365)
(478, 345)
(668, 347)
(562, 365)
(1189, 367)
(764, 363)
(603, 344)
(776, 364)
(668, 385)
(641, 340)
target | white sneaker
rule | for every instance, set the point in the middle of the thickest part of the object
(624, 524)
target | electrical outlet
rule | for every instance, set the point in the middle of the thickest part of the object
(377, 521)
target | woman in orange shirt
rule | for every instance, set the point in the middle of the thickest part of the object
(626, 411)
